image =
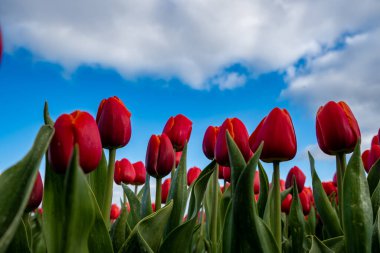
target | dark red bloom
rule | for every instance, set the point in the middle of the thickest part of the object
(365, 159)
(160, 158)
(239, 134)
(305, 201)
(375, 140)
(256, 183)
(36, 195)
(165, 190)
(70, 129)
(277, 132)
(282, 185)
(178, 129)
(124, 172)
(177, 158)
(209, 141)
(329, 187)
(220, 172)
(115, 212)
(114, 122)
(140, 173)
(285, 205)
(227, 173)
(300, 178)
(153, 207)
(192, 175)
(310, 194)
(373, 156)
(337, 129)
(257, 197)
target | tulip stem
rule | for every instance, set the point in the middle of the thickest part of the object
(214, 212)
(136, 190)
(276, 219)
(158, 193)
(109, 186)
(341, 167)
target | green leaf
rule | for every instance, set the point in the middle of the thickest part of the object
(373, 177)
(237, 162)
(224, 202)
(148, 233)
(319, 247)
(227, 246)
(178, 193)
(146, 202)
(38, 240)
(264, 190)
(16, 184)
(97, 181)
(135, 205)
(336, 244)
(376, 234)
(20, 241)
(357, 210)
(326, 211)
(118, 230)
(179, 239)
(296, 221)
(311, 222)
(286, 192)
(47, 119)
(375, 200)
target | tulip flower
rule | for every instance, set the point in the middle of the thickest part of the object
(124, 172)
(286, 203)
(192, 175)
(177, 158)
(282, 185)
(375, 140)
(309, 192)
(277, 132)
(300, 178)
(76, 128)
(337, 129)
(220, 172)
(305, 202)
(159, 156)
(140, 173)
(40, 211)
(165, 190)
(178, 129)
(256, 183)
(239, 134)
(373, 156)
(115, 212)
(114, 122)
(257, 197)
(365, 158)
(153, 207)
(329, 187)
(226, 173)
(209, 141)
(36, 195)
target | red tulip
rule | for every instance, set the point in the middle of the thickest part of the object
(256, 183)
(337, 129)
(220, 172)
(373, 156)
(300, 178)
(114, 122)
(305, 202)
(227, 173)
(335, 181)
(285, 205)
(70, 129)
(178, 129)
(124, 172)
(257, 197)
(375, 140)
(40, 211)
(160, 158)
(153, 207)
(115, 212)
(36, 195)
(310, 194)
(192, 175)
(277, 132)
(128, 207)
(209, 141)
(365, 158)
(329, 187)
(282, 185)
(239, 134)
(177, 158)
(222, 187)
(165, 190)
(140, 173)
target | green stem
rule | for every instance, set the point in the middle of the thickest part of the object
(340, 169)
(136, 190)
(109, 186)
(124, 197)
(214, 212)
(276, 219)
(158, 193)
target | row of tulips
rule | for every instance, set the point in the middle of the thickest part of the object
(245, 214)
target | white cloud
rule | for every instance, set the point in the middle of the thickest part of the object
(192, 40)
(229, 80)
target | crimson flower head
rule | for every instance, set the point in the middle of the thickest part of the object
(76, 128)
(220, 172)
(114, 122)
(256, 183)
(115, 212)
(365, 158)
(209, 141)
(375, 140)
(286, 203)
(140, 173)
(329, 187)
(373, 156)
(300, 178)
(239, 134)
(337, 128)
(178, 129)
(277, 132)
(192, 175)
(160, 158)
(124, 172)
(36, 195)
(305, 201)
(226, 173)
(177, 158)
(165, 190)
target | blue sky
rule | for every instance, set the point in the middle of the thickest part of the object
(208, 60)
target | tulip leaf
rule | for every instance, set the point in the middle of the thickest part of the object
(16, 185)
(251, 233)
(146, 202)
(97, 181)
(118, 229)
(79, 208)
(224, 202)
(375, 200)
(376, 233)
(286, 192)
(311, 222)
(336, 244)
(135, 205)
(227, 231)
(373, 177)
(264, 190)
(296, 221)
(148, 233)
(326, 211)
(357, 210)
(38, 240)
(179, 239)
(319, 247)
(237, 162)
(20, 240)
(178, 193)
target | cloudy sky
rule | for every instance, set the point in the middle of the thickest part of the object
(206, 59)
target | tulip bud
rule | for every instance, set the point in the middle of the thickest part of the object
(226, 173)
(239, 134)
(256, 183)
(165, 190)
(300, 178)
(335, 181)
(375, 140)
(114, 122)
(153, 207)
(365, 158)
(309, 192)
(177, 158)
(277, 132)
(373, 156)
(178, 129)
(220, 172)
(192, 175)
(160, 158)
(257, 197)
(115, 212)
(124, 172)
(337, 129)
(285, 205)
(209, 141)
(70, 129)
(329, 187)
(282, 185)
(305, 202)
(36, 195)
(140, 173)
